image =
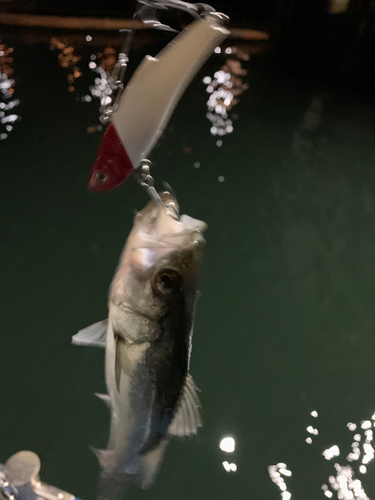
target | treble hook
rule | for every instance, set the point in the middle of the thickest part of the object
(196, 10)
(145, 179)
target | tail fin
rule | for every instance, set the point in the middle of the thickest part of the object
(106, 458)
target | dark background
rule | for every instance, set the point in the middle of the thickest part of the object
(286, 322)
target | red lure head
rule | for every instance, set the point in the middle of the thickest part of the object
(112, 164)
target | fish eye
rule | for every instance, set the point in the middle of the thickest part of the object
(166, 282)
(101, 177)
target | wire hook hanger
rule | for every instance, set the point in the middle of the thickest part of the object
(145, 179)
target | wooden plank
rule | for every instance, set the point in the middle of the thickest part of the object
(73, 23)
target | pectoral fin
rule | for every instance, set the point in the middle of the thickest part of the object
(93, 335)
(187, 419)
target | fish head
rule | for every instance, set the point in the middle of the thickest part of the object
(161, 260)
(170, 248)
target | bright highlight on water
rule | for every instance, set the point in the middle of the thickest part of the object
(227, 444)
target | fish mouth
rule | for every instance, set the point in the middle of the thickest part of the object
(159, 220)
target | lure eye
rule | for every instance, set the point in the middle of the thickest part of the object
(166, 282)
(101, 177)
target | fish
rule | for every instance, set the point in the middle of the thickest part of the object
(148, 341)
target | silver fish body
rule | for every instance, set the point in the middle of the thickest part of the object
(148, 344)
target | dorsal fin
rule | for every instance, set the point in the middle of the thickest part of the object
(187, 419)
(93, 335)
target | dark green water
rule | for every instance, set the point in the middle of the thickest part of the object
(285, 323)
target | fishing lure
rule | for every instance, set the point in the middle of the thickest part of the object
(144, 108)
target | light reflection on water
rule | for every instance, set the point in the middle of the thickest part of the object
(224, 88)
(68, 58)
(7, 87)
(343, 483)
(278, 474)
(227, 444)
(101, 64)
(229, 467)
(333, 451)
